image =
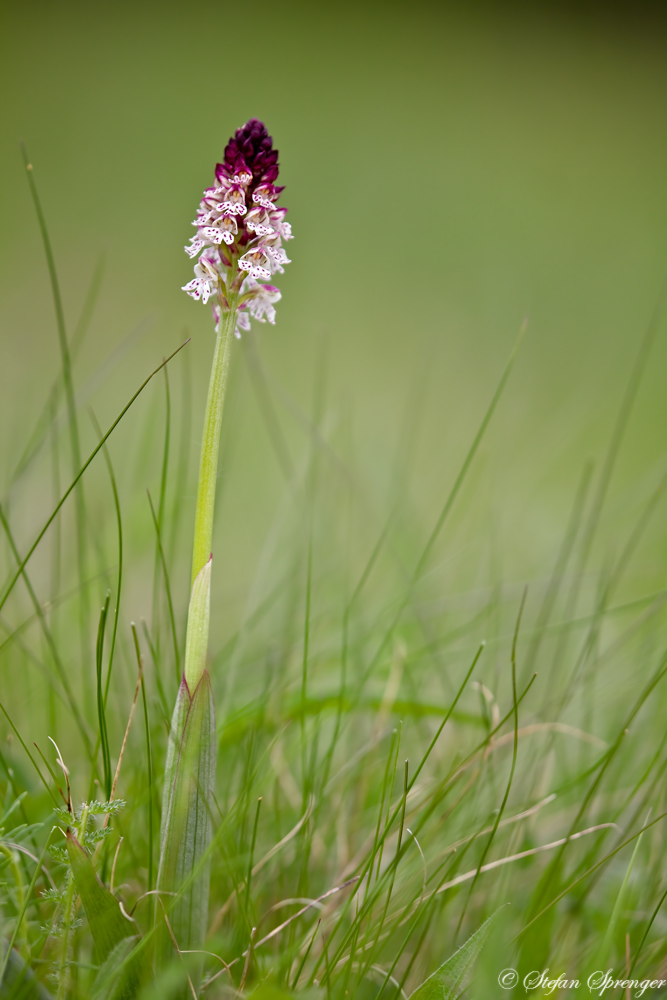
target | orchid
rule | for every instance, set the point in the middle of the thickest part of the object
(238, 242)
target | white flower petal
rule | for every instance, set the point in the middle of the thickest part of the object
(194, 247)
(213, 234)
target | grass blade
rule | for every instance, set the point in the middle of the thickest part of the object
(446, 982)
(149, 757)
(49, 521)
(608, 940)
(165, 572)
(101, 715)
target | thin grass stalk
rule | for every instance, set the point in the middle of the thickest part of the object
(159, 520)
(119, 585)
(69, 397)
(149, 757)
(515, 750)
(103, 738)
(183, 452)
(159, 553)
(252, 854)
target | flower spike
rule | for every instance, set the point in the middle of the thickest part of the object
(240, 231)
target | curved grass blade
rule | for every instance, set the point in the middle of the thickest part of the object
(58, 305)
(30, 756)
(159, 556)
(68, 384)
(149, 756)
(54, 513)
(159, 560)
(101, 715)
(608, 940)
(119, 528)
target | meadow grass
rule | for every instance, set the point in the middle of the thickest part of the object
(406, 746)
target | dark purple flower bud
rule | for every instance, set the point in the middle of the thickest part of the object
(254, 145)
(240, 166)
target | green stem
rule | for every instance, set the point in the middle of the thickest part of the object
(65, 945)
(208, 467)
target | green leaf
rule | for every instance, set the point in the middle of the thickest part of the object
(109, 925)
(446, 982)
(111, 980)
(186, 832)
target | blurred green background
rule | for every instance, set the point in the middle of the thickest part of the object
(449, 170)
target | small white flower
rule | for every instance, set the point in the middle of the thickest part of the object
(213, 235)
(277, 217)
(260, 303)
(229, 228)
(198, 288)
(256, 262)
(206, 279)
(224, 230)
(204, 219)
(265, 195)
(258, 221)
(277, 257)
(235, 200)
(214, 197)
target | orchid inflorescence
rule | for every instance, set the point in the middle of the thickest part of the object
(240, 230)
